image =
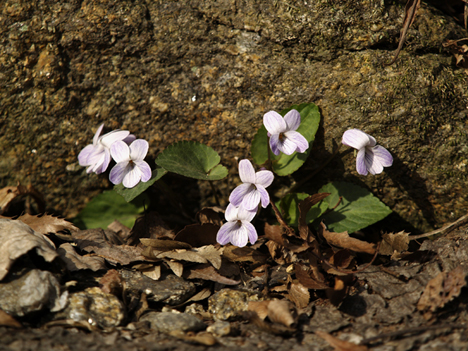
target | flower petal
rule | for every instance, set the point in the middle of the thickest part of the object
(274, 144)
(231, 213)
(383, 155)
(97, 134)
(128, 140)
(360, 163)
(274, 123)
(292, 119)
(116, 135)
(138, 149)
(252, 233)
(264, 178)
(103, 163)
(224, 233)
(85, 154)
(238, 194)
(372, 163)
(251, 200)
(132, 177)
(120, 151)
(356, 138)
(118, 172)
(145, 170)
(287, 146)
(239, 235)
(246, 172)
(264, 196)
(245, 215)
(297, 138)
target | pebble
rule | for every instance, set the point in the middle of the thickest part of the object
(228, 303)
(167, 322)
(171, 290)
(220, 328)
(95, 307)
(34, 291)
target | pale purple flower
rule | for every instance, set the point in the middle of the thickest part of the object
(282, 132)
(130, 167)
(252, 191)
(97, 155)
(238, 229)
(371, 158)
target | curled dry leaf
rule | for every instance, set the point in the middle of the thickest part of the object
(310, 278)
(210, 253)
(105, 244)
(16, 239)
(442, 289)
(277, 311)
(344, 241)
(340, 345)
(207, 272)
(244, 254)
(8, 321)
(46, 223)
(75, 262)
(176, 267)
(299, 295)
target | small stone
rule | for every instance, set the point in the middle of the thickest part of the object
(171, 289)
(228, 303)
(95, 307)
(220, 328)
(35, 291)
(167, 322)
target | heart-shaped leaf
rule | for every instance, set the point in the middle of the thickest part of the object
(358, 207)
(192, 159)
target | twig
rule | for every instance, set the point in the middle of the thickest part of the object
(445, 229)
(410, 14)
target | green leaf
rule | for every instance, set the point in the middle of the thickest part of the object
(192, 159)
(289, 206)
(283, 164)
(108, 207)
(130, 194)
(357, 210)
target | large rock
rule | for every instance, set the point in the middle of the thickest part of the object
(208, 71)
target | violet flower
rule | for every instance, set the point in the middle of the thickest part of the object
(371, 158)
(130, 167)
(238, 229)
(282, 132)
(252, 191)
(97, 155)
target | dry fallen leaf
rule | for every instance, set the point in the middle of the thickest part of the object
(176, 267)
(394, 242)
(211, 254)
(46, 223)
(105, 243)
(16, 239)
(310, 277)
(344, 241)
(75, 262)
(243, 254)
(340, 345)
(151, 226)
(279, 311)
(208, 272)
(8, 321)
(9, 193)
(442, 289)
(299, 295)
(165, 245)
